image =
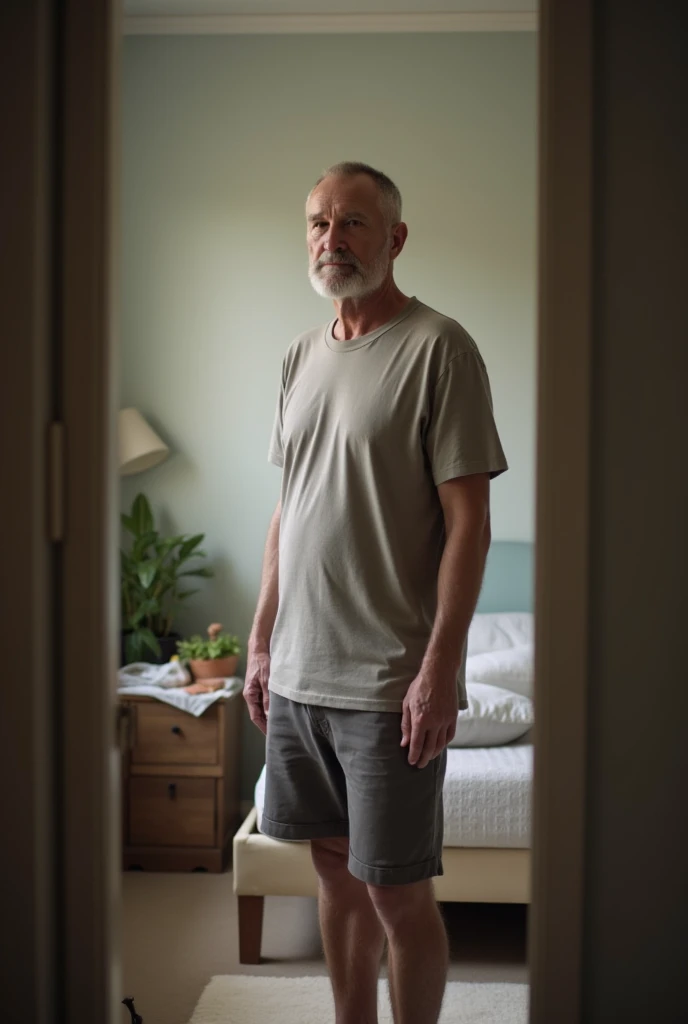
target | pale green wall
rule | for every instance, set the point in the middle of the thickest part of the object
(222, 138)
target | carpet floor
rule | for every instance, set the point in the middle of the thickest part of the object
(246, 1000)
(180, 930)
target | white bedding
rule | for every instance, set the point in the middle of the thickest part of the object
(487, 794)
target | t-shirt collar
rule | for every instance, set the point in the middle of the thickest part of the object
(366, 339)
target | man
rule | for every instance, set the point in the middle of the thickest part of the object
(372, 570)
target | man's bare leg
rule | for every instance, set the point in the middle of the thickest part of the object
(352, 935)
(418, 954)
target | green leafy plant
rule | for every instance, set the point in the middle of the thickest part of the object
(221, 645)
(153, 572)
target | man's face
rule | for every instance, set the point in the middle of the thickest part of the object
(350, 245)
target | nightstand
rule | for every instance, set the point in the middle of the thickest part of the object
(180, 785)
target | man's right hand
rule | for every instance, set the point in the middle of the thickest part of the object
(256, 693)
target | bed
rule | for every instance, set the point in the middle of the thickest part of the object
(487, 796)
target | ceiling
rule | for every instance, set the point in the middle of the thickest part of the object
(196, 8)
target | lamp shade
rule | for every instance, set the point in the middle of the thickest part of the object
(139, 446)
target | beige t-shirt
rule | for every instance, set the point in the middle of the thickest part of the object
(365, 431)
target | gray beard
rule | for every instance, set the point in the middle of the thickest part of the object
(355, 285)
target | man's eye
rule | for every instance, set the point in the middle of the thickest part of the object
(353, 221)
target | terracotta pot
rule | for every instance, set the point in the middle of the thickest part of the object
(214, 668)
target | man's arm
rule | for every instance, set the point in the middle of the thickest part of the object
(256, 692)
(431, 704)
(466, 506)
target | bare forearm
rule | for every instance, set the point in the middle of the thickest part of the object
(266, 610)
(458, 588)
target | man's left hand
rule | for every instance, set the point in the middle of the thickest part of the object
(428, 720)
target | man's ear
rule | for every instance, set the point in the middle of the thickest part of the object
(399, 236)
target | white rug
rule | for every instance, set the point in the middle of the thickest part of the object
(248, 999)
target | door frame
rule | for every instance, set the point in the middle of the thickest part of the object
(58, 203)
(562, 552)
(29, 978)
(90, 770)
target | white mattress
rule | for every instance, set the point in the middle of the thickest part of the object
(487, 796)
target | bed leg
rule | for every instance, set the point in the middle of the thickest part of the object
(250, 928)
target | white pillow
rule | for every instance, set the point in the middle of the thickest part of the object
(497, 631)
(494, 717)
(512, 669)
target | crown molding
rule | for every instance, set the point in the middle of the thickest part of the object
(326, 24)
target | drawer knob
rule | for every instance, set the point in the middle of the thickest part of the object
(177, 730)
(172, 790)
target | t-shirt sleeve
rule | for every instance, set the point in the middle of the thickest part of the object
(462, 437)
(276, 449)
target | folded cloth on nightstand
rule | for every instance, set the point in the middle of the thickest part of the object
(142, 683)
(142, 673)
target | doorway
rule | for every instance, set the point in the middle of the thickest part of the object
(90, 807)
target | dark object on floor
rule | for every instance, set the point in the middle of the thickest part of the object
(135, 1019)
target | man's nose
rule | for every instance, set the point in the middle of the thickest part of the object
(334, 239)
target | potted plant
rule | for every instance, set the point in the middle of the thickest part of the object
(214, 658)
(153, 573)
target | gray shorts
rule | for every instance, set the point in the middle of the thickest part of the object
(332, 772)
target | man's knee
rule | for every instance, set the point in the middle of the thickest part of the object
(399, 906)
(331, 858)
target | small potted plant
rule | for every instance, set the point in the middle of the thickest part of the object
(154, 572)
(214, 658)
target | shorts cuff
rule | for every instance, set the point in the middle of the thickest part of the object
(309, 830)
(405, 875)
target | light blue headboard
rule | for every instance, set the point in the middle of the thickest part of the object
(508, 583)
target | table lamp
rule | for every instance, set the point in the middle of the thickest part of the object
(139, 446)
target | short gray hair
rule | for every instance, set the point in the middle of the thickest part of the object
(390, 194)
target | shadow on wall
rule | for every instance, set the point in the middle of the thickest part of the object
(232, 602)
(225, 598)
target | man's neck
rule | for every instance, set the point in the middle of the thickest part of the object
(356, 317)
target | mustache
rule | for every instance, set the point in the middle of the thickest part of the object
(339, 258)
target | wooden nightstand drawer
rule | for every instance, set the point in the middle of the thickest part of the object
(188, 827)
(164, 735)
(172, 811)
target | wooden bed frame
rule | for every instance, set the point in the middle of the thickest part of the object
(269, 867)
